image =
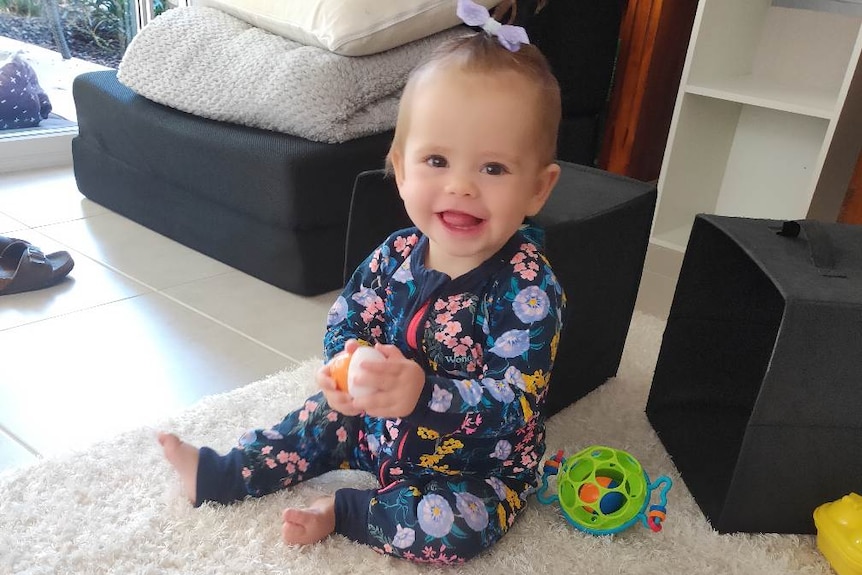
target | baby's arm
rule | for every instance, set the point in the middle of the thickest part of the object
(358, 312)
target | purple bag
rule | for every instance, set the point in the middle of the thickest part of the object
(23, 102)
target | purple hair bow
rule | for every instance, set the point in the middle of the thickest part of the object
(472, 14)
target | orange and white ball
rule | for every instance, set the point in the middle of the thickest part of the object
(345, 365)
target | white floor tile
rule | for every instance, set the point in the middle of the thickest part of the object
(134, 250)
(9, 225)
(292, 324)
(52, 197)
(82, 377)
(89, 284)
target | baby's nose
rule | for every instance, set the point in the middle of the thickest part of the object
(461, 185)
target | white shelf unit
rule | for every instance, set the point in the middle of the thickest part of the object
(768, 119)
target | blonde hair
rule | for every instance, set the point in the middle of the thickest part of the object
(482, 53)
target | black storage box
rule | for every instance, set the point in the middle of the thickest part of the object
(757, 392)
(596, 234)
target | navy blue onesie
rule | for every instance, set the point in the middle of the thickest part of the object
(456, 472)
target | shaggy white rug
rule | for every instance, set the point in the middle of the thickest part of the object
(116, 507)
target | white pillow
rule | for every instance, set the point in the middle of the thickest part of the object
(347, 27)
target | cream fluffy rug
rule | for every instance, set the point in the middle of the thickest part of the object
(116, 508)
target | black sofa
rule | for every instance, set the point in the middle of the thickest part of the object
(276, 205)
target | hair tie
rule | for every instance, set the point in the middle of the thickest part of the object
(510, 37)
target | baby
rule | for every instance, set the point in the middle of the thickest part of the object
(464, 308)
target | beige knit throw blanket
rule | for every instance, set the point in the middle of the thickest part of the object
(210, 64)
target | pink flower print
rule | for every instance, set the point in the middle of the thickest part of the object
(530, 249)
(387, 548)
(396, 471)
(439, 336)
(303, 465)
(246, 472)
(303, 415)
(528, 274)
(367, 316)
(460, 350)
(265, 450)
(341, 434)
(400, 244)
(443, 318)
(392, 428)
(282, 457)
(376, 332)
(439, 304)
(403, 245)
(294, 456)
(270, 462)
(467, 340)
(311, 405)
(452, 328)
(290, 468)
(374, 264)
(454, 305)
(517, 258)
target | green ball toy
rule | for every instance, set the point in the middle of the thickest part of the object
(602, 490)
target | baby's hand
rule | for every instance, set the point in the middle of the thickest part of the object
(396, 384)
(338, 400)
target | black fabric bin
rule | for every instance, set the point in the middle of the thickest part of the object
(757, 391)
(596, 234)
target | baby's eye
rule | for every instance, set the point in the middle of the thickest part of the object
(436, 161)
(494, 169)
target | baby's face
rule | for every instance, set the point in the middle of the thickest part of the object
(470, 169)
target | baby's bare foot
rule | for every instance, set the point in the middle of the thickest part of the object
(184, 458)
(309, 525)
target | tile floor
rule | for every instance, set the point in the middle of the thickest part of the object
(142, 328)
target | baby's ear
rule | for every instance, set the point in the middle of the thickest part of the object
(545, 182)
(395, 161)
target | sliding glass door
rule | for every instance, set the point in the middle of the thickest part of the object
(54, 41)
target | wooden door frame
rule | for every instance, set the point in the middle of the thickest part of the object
(654, 39)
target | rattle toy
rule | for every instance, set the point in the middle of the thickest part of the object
(602, 490)
(344, 367)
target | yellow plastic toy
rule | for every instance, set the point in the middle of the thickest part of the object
(839, 533)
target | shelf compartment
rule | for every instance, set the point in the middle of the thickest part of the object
(784, 58)
(735, 159)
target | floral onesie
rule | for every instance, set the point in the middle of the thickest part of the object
(454, 473)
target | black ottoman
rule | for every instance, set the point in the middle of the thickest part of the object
(270, 204)
(597, 229)
(757, 393)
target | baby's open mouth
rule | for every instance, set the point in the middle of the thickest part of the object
(459, 220)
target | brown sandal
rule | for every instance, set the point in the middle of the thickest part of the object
(23, 266)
